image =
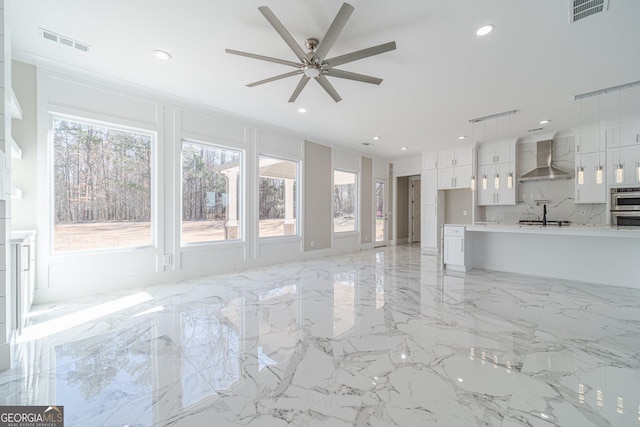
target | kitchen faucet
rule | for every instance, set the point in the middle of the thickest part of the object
(544, 215)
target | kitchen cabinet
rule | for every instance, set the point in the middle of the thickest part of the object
(23, 252)
(429, 231)
(456, 251)
(457, 157)
(504, 194)
(452, 178)
(590, 141)
(629, 158)
(587, 187)
(430, 228)
(623, 135)
(430, 161)
(497, 163)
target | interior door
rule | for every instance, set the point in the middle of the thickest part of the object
(381, 212)
(415, 210)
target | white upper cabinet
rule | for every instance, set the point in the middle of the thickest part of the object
(589, 142)
(455, 168)
(496, 180)
(623, 135)
(458, 157)
(429, 161)
(496, 152)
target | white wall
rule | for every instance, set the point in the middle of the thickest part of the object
(172, 120)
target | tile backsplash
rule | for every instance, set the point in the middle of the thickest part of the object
(557, 195)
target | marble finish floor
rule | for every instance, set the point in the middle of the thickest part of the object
(374, 338)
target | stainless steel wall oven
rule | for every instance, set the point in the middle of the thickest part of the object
(625, 207)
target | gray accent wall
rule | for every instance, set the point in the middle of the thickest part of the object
(366, 201)
(317, 191)
(456, 203)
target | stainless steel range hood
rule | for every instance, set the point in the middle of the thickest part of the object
(544, 166)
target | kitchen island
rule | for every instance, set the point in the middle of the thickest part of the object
(594, 254)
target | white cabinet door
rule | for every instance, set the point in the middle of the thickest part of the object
(446, 178)
(505, 152)
(486, 154)
(623, 136)
(446, 159)
(505, 195)
(629, 158)
(464, 156)
(485, 192)
(589, 142)
(429, 161)
(454, 250)
(429, 186)
(462, 177)
(429, 231)
(588, 190)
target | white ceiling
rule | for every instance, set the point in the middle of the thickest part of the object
(440, 76)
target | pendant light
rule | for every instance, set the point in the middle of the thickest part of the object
(599, 169)
(580, 169)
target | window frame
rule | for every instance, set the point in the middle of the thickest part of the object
(356, 202)
(87, 118)
(213, 143)
(297, 198)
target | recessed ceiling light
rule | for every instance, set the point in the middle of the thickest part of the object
(484, 30)
(302, 110)
(376, 138)
(462, 137)
(544, 122)
(405, 148)
(162, 55)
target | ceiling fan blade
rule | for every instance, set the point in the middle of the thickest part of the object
(262, 57)
(361, 54)
(273, 79)
(277, 25)
(352, 76)
(301, 84)
(333, 32)
(327, 86)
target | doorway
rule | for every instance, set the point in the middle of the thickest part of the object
(414, 209)
(381, 213)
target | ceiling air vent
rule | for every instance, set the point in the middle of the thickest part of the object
(63, 40)
(580, 9)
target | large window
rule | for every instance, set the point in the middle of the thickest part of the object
(210, 193)
(102, 186)
(278, 197)
(344, 201)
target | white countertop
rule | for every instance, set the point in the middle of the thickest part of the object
(571, 230)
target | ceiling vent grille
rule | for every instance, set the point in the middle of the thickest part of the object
(63, 40)
(580, 9)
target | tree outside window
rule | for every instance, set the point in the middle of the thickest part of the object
(102, 186)
(210, 193)
(278, 182)
(344, 201)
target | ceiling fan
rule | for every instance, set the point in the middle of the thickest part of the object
(315, 63)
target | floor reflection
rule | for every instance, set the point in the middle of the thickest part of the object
(378, 337)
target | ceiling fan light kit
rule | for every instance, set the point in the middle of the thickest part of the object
(314, 64)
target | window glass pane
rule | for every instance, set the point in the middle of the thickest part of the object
(278, 197)
(102, 187)
(210, 193)
(344, 201)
